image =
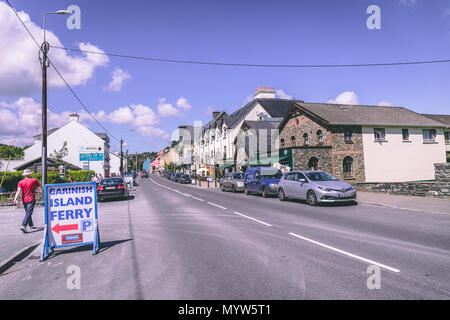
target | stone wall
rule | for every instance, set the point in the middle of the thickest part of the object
(438, 189)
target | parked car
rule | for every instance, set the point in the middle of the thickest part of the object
(262, 180)
(184, 178)
(168, 175)
(112, 188)
(176, 176)
(144, 174)
(233, 181)
(315, 187)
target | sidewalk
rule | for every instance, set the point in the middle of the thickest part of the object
(433, 205)
(12, 240)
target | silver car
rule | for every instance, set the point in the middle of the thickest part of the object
(315, 187)
(233, 181)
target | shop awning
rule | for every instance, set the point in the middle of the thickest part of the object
(227, 165)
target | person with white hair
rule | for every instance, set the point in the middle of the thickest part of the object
(27, 187)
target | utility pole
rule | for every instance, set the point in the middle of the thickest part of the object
(136, 162)
(121, 158)
(44, 63)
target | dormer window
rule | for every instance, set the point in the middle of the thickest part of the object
(348, 136)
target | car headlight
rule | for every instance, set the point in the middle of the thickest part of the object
(325, 189)
(273, 185)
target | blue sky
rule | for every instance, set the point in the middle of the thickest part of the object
(256, 32)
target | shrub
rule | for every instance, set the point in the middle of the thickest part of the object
(81, 175)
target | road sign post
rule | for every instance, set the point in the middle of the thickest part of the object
(70, 216)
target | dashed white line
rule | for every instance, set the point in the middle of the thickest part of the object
(346, 253)
(197, 198)
(216, 205)
(256, 220)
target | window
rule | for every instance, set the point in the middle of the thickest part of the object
(379, 134)
(447, 137)
(348, 135)
(224, 132)
(320, 136)
(405, 134)
(313, 164)
(429, 135)
(293, 140)
(282, 142)
(299, 176)
(348, 167)
(305, 139)
(290, 176)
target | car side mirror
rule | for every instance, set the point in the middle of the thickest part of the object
(302, 180)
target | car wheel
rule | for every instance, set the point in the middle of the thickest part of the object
(233, 189)
(222, 188)
(311, 198)
(264, 193)
(281, 195)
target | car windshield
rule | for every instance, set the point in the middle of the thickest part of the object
(111, 181)
(185, 176)
(271, 173)
(320, 176)
(238, 175)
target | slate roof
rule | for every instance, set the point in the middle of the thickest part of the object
(442, 118)
(338, 114)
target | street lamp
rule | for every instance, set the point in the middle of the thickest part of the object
(45, 47)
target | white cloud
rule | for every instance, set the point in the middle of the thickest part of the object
(184, 104)
(20, 71)
(149, 131)
(347, 97)
(385, 104)
(165, 109)
(118, 77)
(283, 95)
(122, 115)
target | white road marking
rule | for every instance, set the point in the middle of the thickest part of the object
(216, 205)
(256, 220)
(197, 198)
(346, 253)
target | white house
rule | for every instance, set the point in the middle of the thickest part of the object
(217, 142)
(80, 141)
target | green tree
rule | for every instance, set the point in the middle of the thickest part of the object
(59, 155)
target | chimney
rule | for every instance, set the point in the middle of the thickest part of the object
(265, 93)
(74, 116)
(215, 114)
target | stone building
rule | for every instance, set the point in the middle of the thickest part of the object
(362, 143)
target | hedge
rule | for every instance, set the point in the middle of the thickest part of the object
(12, 178)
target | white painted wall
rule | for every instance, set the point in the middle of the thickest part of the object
(76, 135)
(398, 161)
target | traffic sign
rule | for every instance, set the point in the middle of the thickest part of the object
(91, 156)
(89, 148)
(70, 216)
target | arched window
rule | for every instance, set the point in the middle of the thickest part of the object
(320, 136)
(306, 139)
(293, 140)
(348, 167)
(282, 143)
(313, 164)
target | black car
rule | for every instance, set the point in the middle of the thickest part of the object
(176, 177)
(184, 178)
(112, 188)
(144, 174)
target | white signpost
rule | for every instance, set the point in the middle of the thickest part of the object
(70, 216)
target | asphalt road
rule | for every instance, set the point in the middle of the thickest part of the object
(172, 241)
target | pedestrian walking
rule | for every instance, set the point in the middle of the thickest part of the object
(71, 179)
(27, 187)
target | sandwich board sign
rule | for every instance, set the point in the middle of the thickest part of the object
(70, 216)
